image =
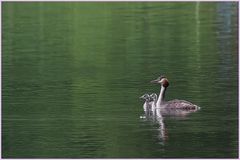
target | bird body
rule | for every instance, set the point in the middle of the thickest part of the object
(153, 98)
(147, 103)
(179, 104)
(173, 104)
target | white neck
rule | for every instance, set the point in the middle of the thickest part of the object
(161, 96)
(145, 106)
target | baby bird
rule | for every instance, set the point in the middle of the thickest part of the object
(153, 98)
(147, 103)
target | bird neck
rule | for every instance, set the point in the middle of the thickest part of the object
(145, 106)
(161, 95)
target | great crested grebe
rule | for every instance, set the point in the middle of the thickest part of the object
(147, 102)
(153, 98)
(173, 104)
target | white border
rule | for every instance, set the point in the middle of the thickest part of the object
(119, 0)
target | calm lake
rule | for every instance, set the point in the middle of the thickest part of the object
(72, 75)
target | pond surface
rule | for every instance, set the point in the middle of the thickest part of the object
(72, 75)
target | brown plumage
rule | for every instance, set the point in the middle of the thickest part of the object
(173, 104)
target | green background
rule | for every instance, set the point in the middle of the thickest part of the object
(72, 74)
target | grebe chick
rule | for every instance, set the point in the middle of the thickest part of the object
(153, 102)
(146, 104)
(173, 104)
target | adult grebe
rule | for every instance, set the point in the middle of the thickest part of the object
(146, 104)
(173, 104)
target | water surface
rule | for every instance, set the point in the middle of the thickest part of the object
(72, 74)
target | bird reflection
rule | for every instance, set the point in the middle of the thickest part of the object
(157, 114)
(157, 118)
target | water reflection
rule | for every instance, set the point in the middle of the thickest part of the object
(159, 114)
(157, 118)
(162, 130)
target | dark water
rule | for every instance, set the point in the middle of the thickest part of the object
(72, 74)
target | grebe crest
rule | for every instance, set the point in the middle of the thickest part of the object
(161, 80)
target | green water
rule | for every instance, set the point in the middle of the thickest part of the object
(72, 74)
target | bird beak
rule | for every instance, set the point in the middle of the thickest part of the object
(155, 81)
(141, 97)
